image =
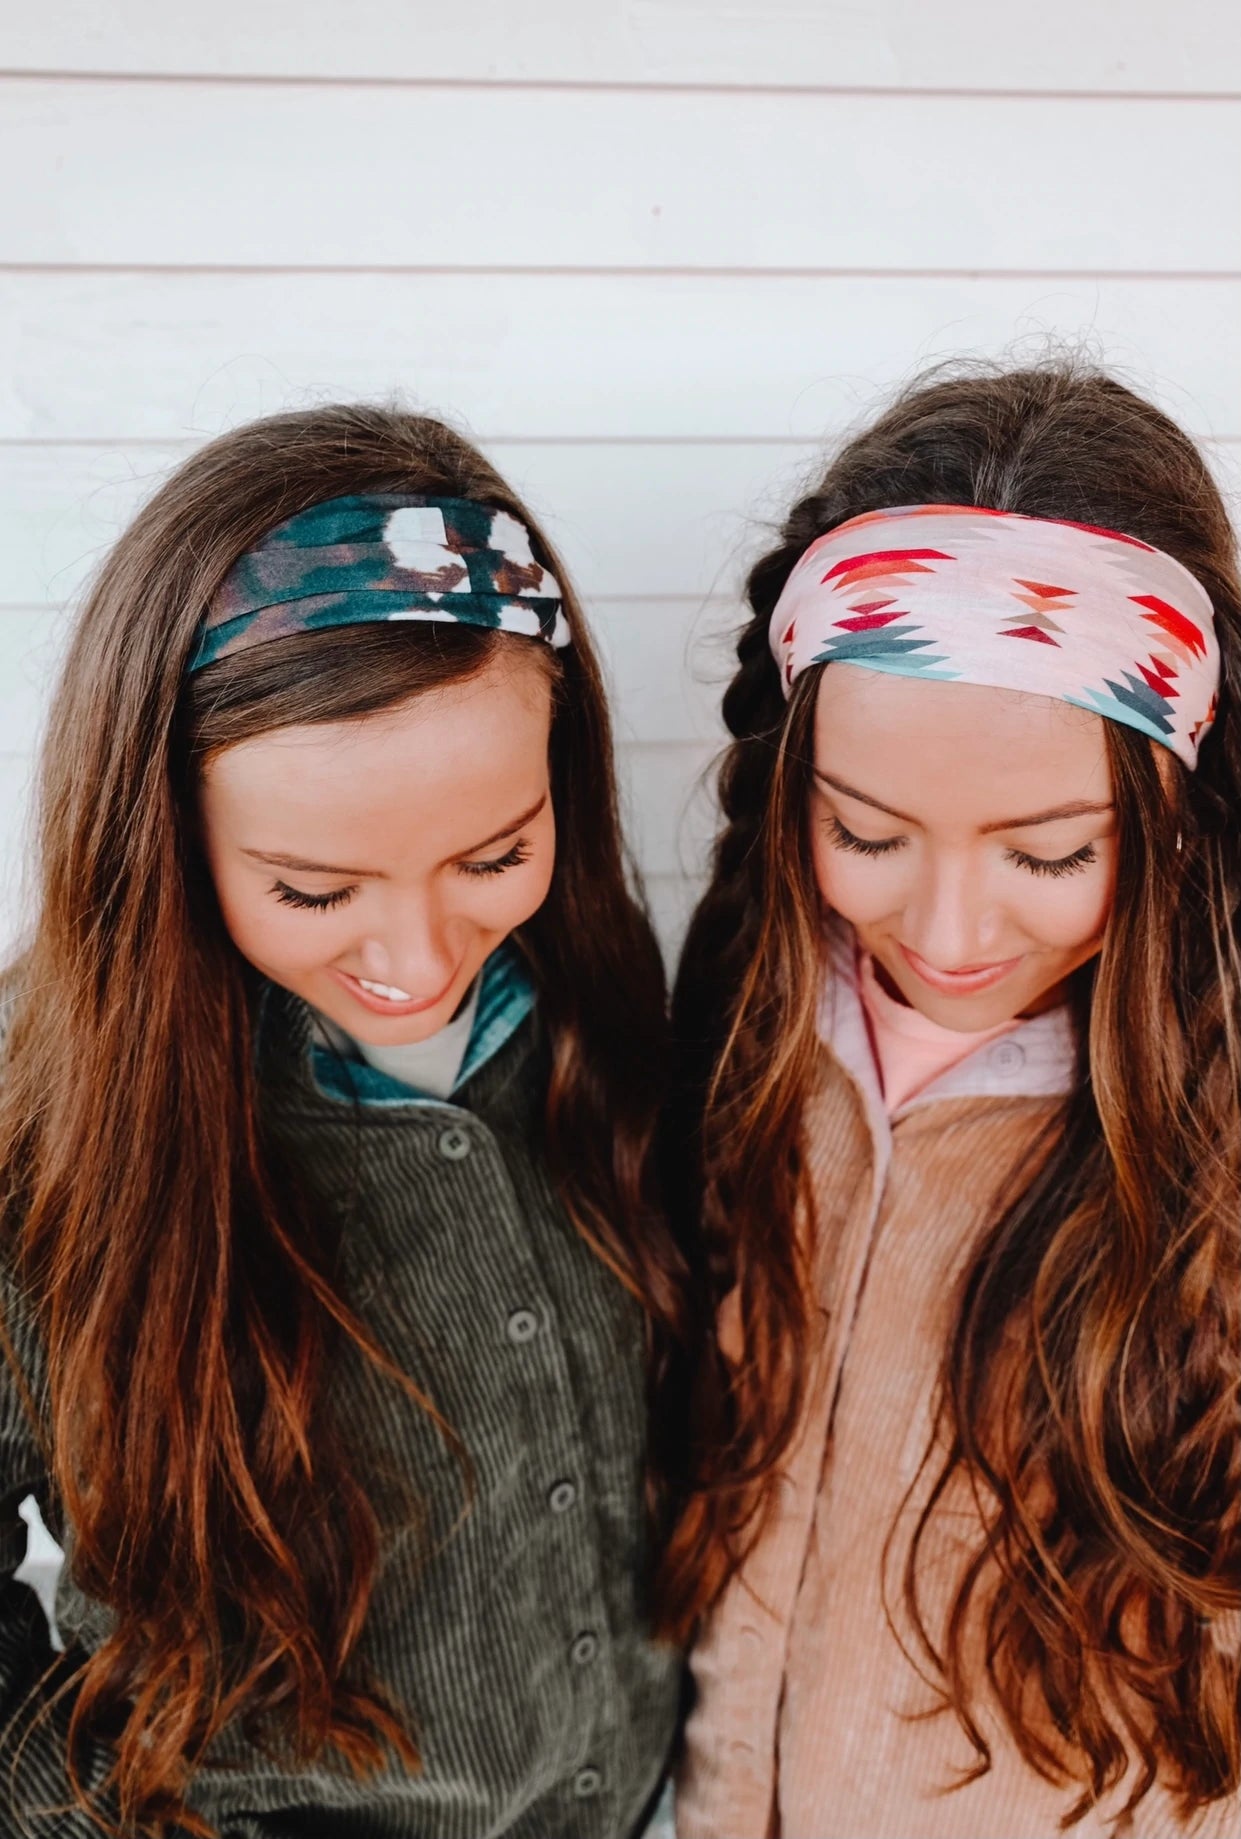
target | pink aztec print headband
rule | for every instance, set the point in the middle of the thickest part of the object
(956, 593)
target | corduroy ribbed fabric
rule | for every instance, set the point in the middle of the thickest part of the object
(508, 1620)
(807, 1722)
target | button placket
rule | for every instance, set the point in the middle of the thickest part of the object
(531, 1324)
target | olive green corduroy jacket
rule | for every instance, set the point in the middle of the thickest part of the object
(510, 1624)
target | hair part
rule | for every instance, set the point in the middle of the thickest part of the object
(1113, 1474)
(219, 1512)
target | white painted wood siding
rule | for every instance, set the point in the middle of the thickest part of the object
(1072, 46)
(652, 253)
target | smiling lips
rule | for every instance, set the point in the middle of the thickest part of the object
(388, 991)
(386, 998)
(967, 982)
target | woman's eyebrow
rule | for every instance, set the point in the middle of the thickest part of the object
(274, 859)
(1057, 814)
(1079, 807)
(863, 798)
(497, 836)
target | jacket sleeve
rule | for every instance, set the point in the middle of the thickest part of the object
(34, 1710)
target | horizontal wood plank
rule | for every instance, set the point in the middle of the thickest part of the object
(669, 805)
(667, 665)
(959, 44)
(276, 175)
(634, 520)
(32, 643)
(107, 357)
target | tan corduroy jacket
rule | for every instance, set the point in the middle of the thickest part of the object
(805, 1720)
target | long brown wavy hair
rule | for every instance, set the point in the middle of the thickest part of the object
(1110, 1482)
(216, 1508)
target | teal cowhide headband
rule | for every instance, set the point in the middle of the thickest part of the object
(352, 561)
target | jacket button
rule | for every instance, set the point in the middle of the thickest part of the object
(1008, 1056)
(454, 1145)
(584, 1649)
(562, 1497)
(522, 1326)
(587, 1783)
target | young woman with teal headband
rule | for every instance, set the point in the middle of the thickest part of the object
(961, 1063)
(334, 1282)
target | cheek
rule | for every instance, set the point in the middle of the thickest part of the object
(277, 938)
(861, 889)
(498, 904)
(1066, 914)
(508, 901)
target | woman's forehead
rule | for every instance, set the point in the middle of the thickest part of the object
(435, 775)
(963, 752)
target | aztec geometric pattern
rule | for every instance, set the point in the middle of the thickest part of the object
(960, 593)
(352, 561)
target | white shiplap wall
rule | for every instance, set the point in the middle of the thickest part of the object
(652, 254)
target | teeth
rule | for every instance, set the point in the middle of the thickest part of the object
(388, 991)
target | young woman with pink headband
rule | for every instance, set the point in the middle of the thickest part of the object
(962, 1075)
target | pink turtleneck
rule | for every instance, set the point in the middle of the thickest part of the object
(910, 1050)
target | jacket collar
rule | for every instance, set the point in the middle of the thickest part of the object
(298, 1062)
(1038, 1059)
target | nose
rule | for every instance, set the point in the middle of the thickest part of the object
(951, 920)
(416, 951)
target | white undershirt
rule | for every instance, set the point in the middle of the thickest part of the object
(432, 1066)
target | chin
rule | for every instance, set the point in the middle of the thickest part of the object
(367, 1025)
(395, 1030)
(963, 1014)
(408, 1031)
(967, 1017)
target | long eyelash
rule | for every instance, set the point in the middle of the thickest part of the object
(317, 903)
(845, 839)
(1065, 865)
(519, 853)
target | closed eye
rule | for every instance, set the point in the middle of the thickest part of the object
(313, 903)
(512, 858)
(1063, 865)
(862, 846)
